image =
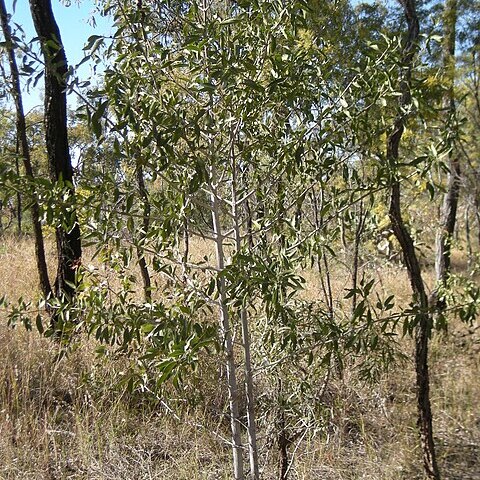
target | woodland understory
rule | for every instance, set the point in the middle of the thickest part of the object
(70, 419)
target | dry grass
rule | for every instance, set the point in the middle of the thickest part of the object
(68, 419)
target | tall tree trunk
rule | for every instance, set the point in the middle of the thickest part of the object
(25, 152)
(405, 240)
(59, 162)
(450, 201)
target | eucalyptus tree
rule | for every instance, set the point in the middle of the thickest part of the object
(196, 133)
(469, 146)
(8, 202)
(56, 137)
(450, 203)
(10, 150)
(21, 128)
(468, 88)
(423, 316)
(232, 114)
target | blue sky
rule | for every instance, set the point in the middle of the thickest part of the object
(76, 26)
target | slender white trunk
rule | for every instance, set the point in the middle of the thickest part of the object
(252, 432)
(226, 329)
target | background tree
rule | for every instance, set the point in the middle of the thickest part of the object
(450, 203)
(25, 152)
(56, 137)
(423, 317)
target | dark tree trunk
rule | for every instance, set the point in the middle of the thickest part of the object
(356, 253)
(18, 212)
(467, 235)
(147, 284)
(405, 240)
(283, 447)
(298, 214)
(186, 247)
(422, 334)
(56, 136)
(450, 201)
(248, 210)
(477, 216)
(25, 152)
(282, 439)
(325, 283)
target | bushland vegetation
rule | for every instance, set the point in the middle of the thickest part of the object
(251, 251)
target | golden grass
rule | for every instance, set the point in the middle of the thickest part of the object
(68, 419)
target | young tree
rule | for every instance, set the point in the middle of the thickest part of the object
(234, 107)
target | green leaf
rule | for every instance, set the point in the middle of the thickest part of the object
(39, 324)
(147, 328)
(91, 40)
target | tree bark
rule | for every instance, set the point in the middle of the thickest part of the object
(477, 216)
(283, 440)
(424, 320)
(25, 152)
(249, 390)
(59, 161)
(18, 212)
(147, 283)
(356, 253)
(468, 238)
(226, 329)
(450, 201)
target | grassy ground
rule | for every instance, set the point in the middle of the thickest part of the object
(69, 419)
